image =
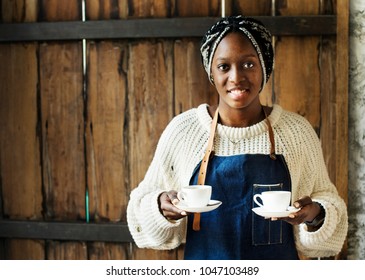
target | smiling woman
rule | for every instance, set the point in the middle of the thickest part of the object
(70, 136)
(253, 146)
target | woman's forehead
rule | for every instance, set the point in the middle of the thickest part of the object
(235, 43)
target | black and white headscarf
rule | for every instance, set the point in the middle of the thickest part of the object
(254, 30)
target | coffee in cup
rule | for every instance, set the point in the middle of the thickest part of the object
(274, 201)
(195, 195)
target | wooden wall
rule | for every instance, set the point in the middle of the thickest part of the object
(66, 133)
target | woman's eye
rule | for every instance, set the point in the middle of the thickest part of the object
(223, 67)
(248, 65)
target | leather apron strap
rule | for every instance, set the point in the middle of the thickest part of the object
(271, 136)
(204, 164)
(209, 152)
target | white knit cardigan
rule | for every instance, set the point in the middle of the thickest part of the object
(181, 148)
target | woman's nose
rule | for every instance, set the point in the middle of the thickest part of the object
(236, 75)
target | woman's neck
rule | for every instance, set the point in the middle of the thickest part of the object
(241, 117)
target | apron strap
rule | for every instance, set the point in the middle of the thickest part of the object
(204, 165)
(271, 136)
(209, 152)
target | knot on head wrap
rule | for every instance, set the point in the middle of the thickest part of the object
(254, 30)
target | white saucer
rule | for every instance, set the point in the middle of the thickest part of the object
(212, 205)
(269, 214)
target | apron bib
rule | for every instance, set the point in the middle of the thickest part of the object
(233, 231)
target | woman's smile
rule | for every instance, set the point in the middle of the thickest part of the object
(238, 93)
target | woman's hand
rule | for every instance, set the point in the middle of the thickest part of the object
(166, 202)
(309, 210)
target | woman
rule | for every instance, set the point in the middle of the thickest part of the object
(252, 145)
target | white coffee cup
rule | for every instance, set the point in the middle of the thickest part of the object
(195, 195)
(275, 201)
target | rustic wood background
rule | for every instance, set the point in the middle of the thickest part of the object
(63, 133)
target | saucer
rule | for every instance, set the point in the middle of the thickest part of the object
(270, 214)
(212, 205)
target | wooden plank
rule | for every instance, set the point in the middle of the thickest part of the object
(106, 138)
(342, 81)
(328, 95)
(107, 167)
(106, 10)
(150, 95)
(108, 251)
(148, 9)
(296, 77)
(150, 99)
(328, 104)
(55, 10)
(77, 231)
(342, 63)
(58, 250)
(20, 172)
(19, 142)
(20, 188)
(62, 130)
(255, 9)
(24, 249)
(18, 11)
(155, 28)
(62, 127)
(296, 73)
(192, 9)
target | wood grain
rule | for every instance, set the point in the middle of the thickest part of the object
(106, 145)
(296, 74)
(20, 171)
(21, 181)
(18, 11)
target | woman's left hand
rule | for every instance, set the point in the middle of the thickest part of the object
(309, 210)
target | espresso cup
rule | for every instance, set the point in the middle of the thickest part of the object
(195, 195)
(274, 201)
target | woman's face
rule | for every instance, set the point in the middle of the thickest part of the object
(237, 72)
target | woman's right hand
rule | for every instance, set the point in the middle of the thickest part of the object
(166, 202)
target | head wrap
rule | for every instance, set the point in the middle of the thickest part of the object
(254, 30)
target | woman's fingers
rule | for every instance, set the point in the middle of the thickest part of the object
(167, 207)
(172, 195)
(301, 202)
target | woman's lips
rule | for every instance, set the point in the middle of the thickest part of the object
(237, 93)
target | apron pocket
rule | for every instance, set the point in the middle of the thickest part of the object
(265, 231)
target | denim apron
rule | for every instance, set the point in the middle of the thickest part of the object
(233, 231)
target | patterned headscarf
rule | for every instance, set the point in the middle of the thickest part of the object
(254, 30)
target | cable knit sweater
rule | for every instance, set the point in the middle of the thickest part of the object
(181, 148)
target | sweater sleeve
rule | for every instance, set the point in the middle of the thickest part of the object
(314, 181)
(148, 227)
